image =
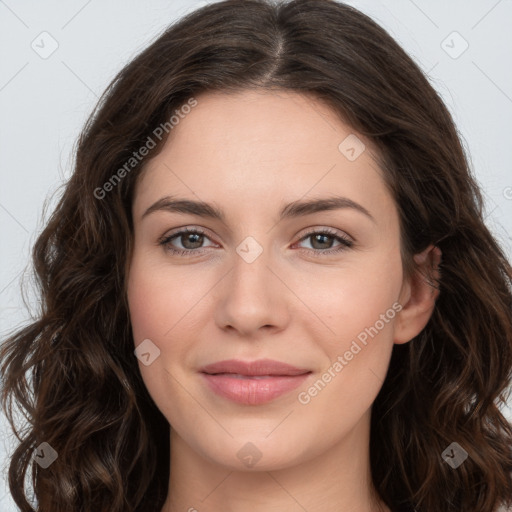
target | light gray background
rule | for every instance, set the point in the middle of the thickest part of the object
(45, 101)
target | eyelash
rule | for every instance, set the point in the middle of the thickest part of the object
(345, 242)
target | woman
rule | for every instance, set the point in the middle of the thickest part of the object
(193, 354)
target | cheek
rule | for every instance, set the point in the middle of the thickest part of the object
(145, 302)
(159, 298)
(156, 307)
(168, 308)
(352, 299)
(360, 307)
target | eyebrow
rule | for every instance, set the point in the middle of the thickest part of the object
(291, 210)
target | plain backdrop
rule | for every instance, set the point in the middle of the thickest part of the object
(58, 57)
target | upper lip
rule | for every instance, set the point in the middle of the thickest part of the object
(255, 368)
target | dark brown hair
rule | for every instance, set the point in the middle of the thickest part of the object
(72, 370)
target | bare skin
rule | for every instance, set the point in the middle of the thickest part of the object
(250, 154)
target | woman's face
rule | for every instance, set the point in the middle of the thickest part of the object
(259, 284)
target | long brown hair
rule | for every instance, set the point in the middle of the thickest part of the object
(72, 370)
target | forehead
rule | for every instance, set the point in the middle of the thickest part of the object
(255, 146)
(267, 125)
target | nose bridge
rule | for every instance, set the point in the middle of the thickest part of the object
(250, 298)
(251, 262)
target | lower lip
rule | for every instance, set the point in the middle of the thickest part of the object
(253, 391)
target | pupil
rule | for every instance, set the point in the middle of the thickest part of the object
(190, 237)
(322, 239)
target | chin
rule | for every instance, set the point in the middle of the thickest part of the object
(256, 453)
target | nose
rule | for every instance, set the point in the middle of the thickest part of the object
(252, 297)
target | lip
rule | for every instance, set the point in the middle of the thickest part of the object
(254, 382)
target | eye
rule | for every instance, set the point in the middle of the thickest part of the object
(190, 239)
(322, 240)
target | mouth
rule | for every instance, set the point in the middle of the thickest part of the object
(252, 383)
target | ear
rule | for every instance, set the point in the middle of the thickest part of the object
(418, 295)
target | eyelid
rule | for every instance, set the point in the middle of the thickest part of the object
(185, 229)
(305, 232)
(328, 230)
